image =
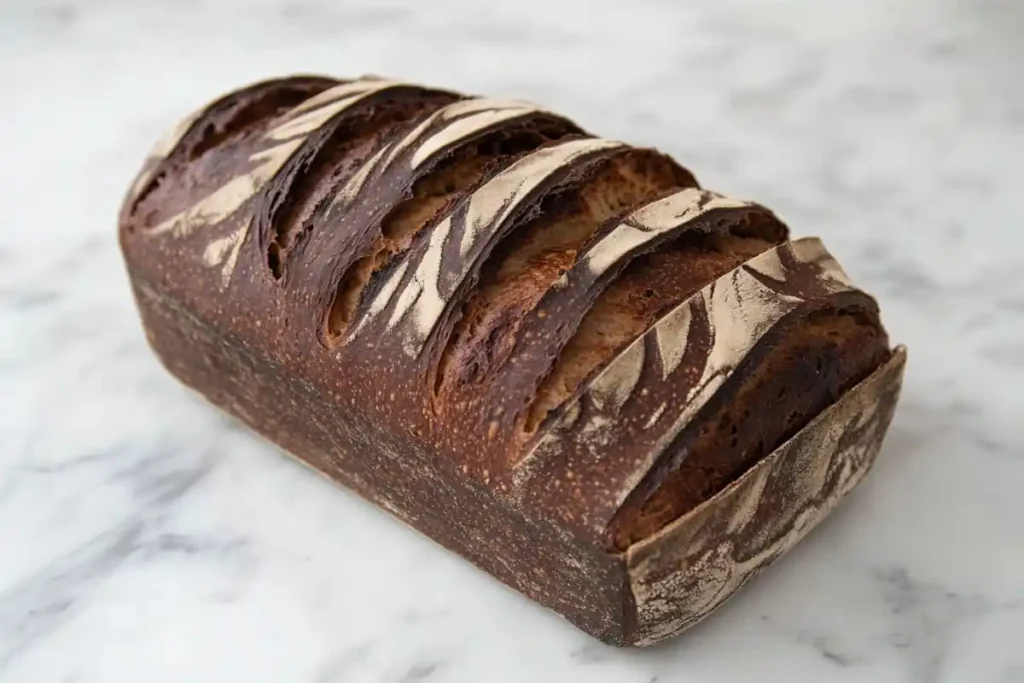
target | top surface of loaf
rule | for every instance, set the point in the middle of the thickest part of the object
(543, 311)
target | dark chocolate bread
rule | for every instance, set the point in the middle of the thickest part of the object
(555, 354)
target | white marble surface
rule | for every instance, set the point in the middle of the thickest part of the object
(143, 537)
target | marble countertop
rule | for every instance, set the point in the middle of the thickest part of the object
(143, 536)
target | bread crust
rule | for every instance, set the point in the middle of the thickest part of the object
(242, 231)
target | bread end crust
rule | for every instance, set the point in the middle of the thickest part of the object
(691, 567)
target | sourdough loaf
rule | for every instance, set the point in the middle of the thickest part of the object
(555, 354)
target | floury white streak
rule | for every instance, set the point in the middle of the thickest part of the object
(653, 220)
(224, 252)
(468, 117)
(441, 130)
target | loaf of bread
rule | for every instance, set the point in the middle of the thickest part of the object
(555, 354)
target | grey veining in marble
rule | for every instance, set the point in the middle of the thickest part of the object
(145, 537)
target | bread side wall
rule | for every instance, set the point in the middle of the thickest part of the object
(582, 583)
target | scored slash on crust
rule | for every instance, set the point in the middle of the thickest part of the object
(740, 310)
(292, 130)
(422, 296)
